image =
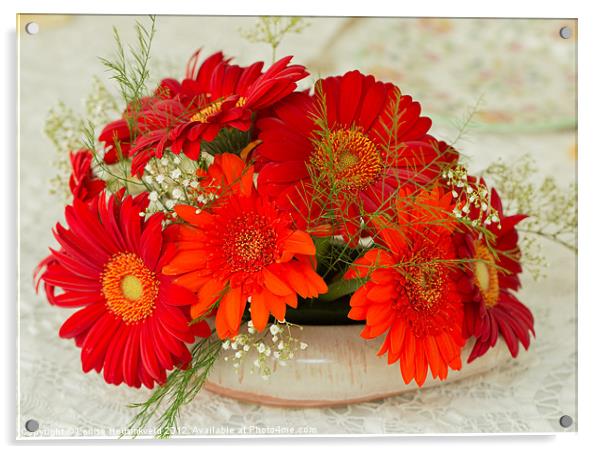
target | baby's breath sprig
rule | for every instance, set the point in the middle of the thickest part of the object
(470, 196)
(552, 209)
(273, 346)
(170, 180)
(68, 131)
(272, 30)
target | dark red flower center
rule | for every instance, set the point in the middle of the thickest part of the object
(485, 275)
(424, 286)
(347, 158)
(425, 296)
(250, 243)
(129, 287)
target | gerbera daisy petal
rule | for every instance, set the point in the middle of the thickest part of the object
(81, 321)
(259, 311)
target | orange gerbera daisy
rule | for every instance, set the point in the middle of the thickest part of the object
(410, 292)
(242, 249)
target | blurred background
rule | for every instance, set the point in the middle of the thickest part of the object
(505, 88)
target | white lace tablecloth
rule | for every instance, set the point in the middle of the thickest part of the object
(529, 394)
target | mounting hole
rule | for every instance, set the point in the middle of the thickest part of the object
(32, 28)
(32, 425)
(566, 32)
(566, 421)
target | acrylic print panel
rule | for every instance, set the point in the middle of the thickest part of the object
(377, 236)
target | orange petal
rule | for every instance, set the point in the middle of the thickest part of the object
(295, 279)
(192, 281)
(193, 215)
(259, 311)
(275, 304)
(233, 303)
(275, 284)
(208, 294)
(381, 293)
(407, 362)
(299, 242)
(421, 363)
(184, 262)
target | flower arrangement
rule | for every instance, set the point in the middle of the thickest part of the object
(232, 196)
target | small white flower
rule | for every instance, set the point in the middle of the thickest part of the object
(454, 194)
(261, 347)
(194, 184)
(177, 193)
(302, 345)
(246, 348)
(160, 179)
(142, 214)
(238, 354)
(176, 160)
(170, 204)
(176, 173)
(484, 206)
(276, 355)
(164, 161)
(148, 179)
(234, 345)
(186, 183)
(153, 196)
(268, 351)
(274, 329)
(281, 345)
(469, 189)
(274, 339)
(226, 345)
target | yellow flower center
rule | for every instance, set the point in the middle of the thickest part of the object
(485, 275)
(129, 287)
(208, 111)
(348, 158)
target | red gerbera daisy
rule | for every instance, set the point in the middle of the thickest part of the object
(242, 249)
(346, 148)
(203, 107)
(84, 185)
(134, 321)
(155, 114)
(491, 307)
(410, 291)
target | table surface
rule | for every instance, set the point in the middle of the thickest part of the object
(528, 394)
